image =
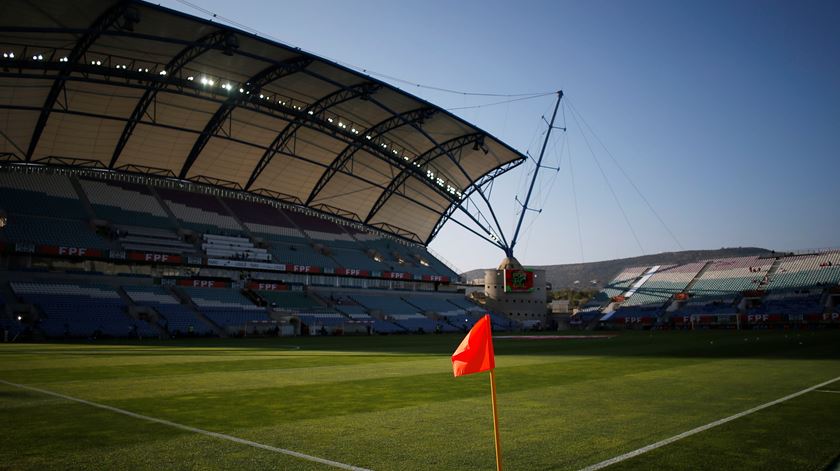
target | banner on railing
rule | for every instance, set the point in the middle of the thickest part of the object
(393, 275)
(439, 278)
(352, 272)
(197, 283)
(84, 252)
(267, 286)
(302, 268)
(154, 257)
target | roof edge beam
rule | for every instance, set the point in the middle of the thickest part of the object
(488, 177)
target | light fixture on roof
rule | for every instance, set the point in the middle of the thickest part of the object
(310, 112)
(142, 69)
(241, 90)
(95, 62)
(162, 72)
(38, 57)
(330, 120)
(368, 137)
(190, 78)
(64, 59)
(262, 96)
(8, 55)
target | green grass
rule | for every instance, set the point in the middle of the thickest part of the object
(392, 403)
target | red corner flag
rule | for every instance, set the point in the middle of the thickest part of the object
(475, 354)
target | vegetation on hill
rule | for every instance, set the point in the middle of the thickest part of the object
(597, 274)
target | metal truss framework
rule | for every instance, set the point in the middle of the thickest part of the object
(450, 146)
(211, 41)
(75, 67)
(361, 141)
(252, 87)
(280, 143)
(105, 21)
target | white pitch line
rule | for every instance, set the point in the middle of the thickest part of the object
(702, 428)
(222, 436)
(827, 391)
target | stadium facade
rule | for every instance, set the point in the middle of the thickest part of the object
(138, 141)
(164, 175)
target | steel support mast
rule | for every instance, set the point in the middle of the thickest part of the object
(509, 250)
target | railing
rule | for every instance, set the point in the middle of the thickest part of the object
(446, 262)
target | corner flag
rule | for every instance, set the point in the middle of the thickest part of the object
(474, 355)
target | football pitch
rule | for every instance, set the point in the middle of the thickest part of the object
(391, 403)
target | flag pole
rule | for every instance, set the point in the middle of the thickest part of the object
(495, 420)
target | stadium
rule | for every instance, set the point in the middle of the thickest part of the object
(214, 254)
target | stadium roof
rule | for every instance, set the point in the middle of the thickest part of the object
(134, 87)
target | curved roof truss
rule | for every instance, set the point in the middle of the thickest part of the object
(133, 87)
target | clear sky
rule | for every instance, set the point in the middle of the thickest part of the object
(725, 115)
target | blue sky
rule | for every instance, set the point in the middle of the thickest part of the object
(725, 115)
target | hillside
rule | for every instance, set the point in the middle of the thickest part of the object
(564, 276)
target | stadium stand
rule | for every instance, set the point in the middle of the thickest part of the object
(227, 308)
(785, 289)
(292, 300)
(125, 204)
(200, 212)
(81, 310)
(638, 315)
(40, 195)
(663, 284)
(618, 286)
(264, 220)
(710, 307)
(175, 318)
(9, 328)
(151, 239)
(791, 302)
(725, 278)
(232, 247)
(387, 304)
(806, 271)
(52, 231)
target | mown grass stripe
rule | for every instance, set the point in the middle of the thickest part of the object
(703, 428)
(208, 433)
